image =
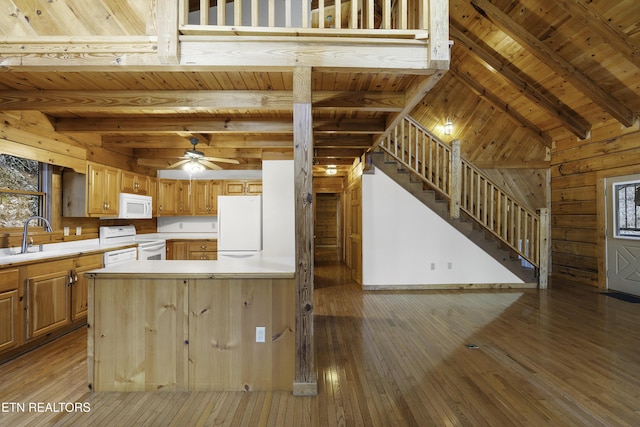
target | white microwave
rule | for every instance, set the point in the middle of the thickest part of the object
(134, 206)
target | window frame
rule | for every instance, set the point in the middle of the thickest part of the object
(616, 211)
(45, 176)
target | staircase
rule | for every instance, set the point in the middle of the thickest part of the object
(449, 185)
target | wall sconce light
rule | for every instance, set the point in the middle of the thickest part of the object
(331, 170)
(448, 126)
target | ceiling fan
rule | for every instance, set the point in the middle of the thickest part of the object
(195, 161)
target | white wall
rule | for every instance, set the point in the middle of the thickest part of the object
(406, 243)
(278, 209)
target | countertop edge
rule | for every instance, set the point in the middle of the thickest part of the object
(186, 276)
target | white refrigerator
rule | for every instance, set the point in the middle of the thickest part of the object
(239, 226)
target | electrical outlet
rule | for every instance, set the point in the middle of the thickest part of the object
(260, 334)
(450, 265)
(433, 265)
(66, 231)
(78, 231)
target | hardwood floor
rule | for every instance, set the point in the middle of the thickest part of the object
(564, 356)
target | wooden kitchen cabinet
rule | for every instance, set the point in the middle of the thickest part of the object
(94, 194)
(103, 190)
(48, 295)
(10, 320)
(167, 197)
(205, 197)
(153, 192)
(177, 249)
(204, 250)
(57, 293)
(184, 191)
(242, 187)
(79, 292)
(133, 183)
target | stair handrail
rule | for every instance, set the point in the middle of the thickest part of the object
(467, 188)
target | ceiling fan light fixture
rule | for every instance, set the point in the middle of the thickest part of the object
(193, 166)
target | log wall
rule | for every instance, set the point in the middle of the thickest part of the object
(577, 220)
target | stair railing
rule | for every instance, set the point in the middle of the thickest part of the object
(443, 168)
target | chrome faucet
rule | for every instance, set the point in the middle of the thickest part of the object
(47, 228)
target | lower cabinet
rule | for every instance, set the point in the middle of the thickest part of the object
(48, 296)
(41, 300)
(10, 320)
(79, 286)
(204, 249)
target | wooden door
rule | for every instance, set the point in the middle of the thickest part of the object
(95, 203)
(167, 197)
(205, 197)
(622, 198)
(328, 242)
(111, 190)
(10, 325)
(79, 288)
(356, 231)
(177, 249)
(253, 188)
(48, 303)
(234, 188)
(184, 197)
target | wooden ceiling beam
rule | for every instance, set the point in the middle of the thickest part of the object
(327, 153)
(175, 141)
(599, 25)
(567, 117)
(494, 100)
(193, 100)
(174, 153)
(540, 50)
(161, 125)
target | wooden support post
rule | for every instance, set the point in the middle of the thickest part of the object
(167, 26)
(543, 246)
(439, 52)
(455, 169)
(305, 381)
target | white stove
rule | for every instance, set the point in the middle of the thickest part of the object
(148, 249)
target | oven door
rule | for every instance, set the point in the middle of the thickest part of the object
(155, 250)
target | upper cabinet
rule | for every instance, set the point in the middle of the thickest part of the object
(103, 190)
(135, 184)
(242, 187)
(167, 197)
(94, 194)
(186, 198)
(205, 197)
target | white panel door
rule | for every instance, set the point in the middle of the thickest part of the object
(623, 233)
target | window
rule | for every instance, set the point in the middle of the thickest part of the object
(23, 188)
(627, 209)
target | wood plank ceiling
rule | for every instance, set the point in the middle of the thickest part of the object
(523, 73)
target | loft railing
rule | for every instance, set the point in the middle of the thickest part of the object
(321, 14)
(468, 189)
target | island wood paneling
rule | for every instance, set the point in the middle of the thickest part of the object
(223, 352)
(198, 334)
(138, 335)
(577, 219)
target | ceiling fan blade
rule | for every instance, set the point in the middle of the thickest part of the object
(177, 164)
(210, 165)
(222, 160)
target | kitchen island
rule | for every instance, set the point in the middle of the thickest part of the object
(192, 325)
